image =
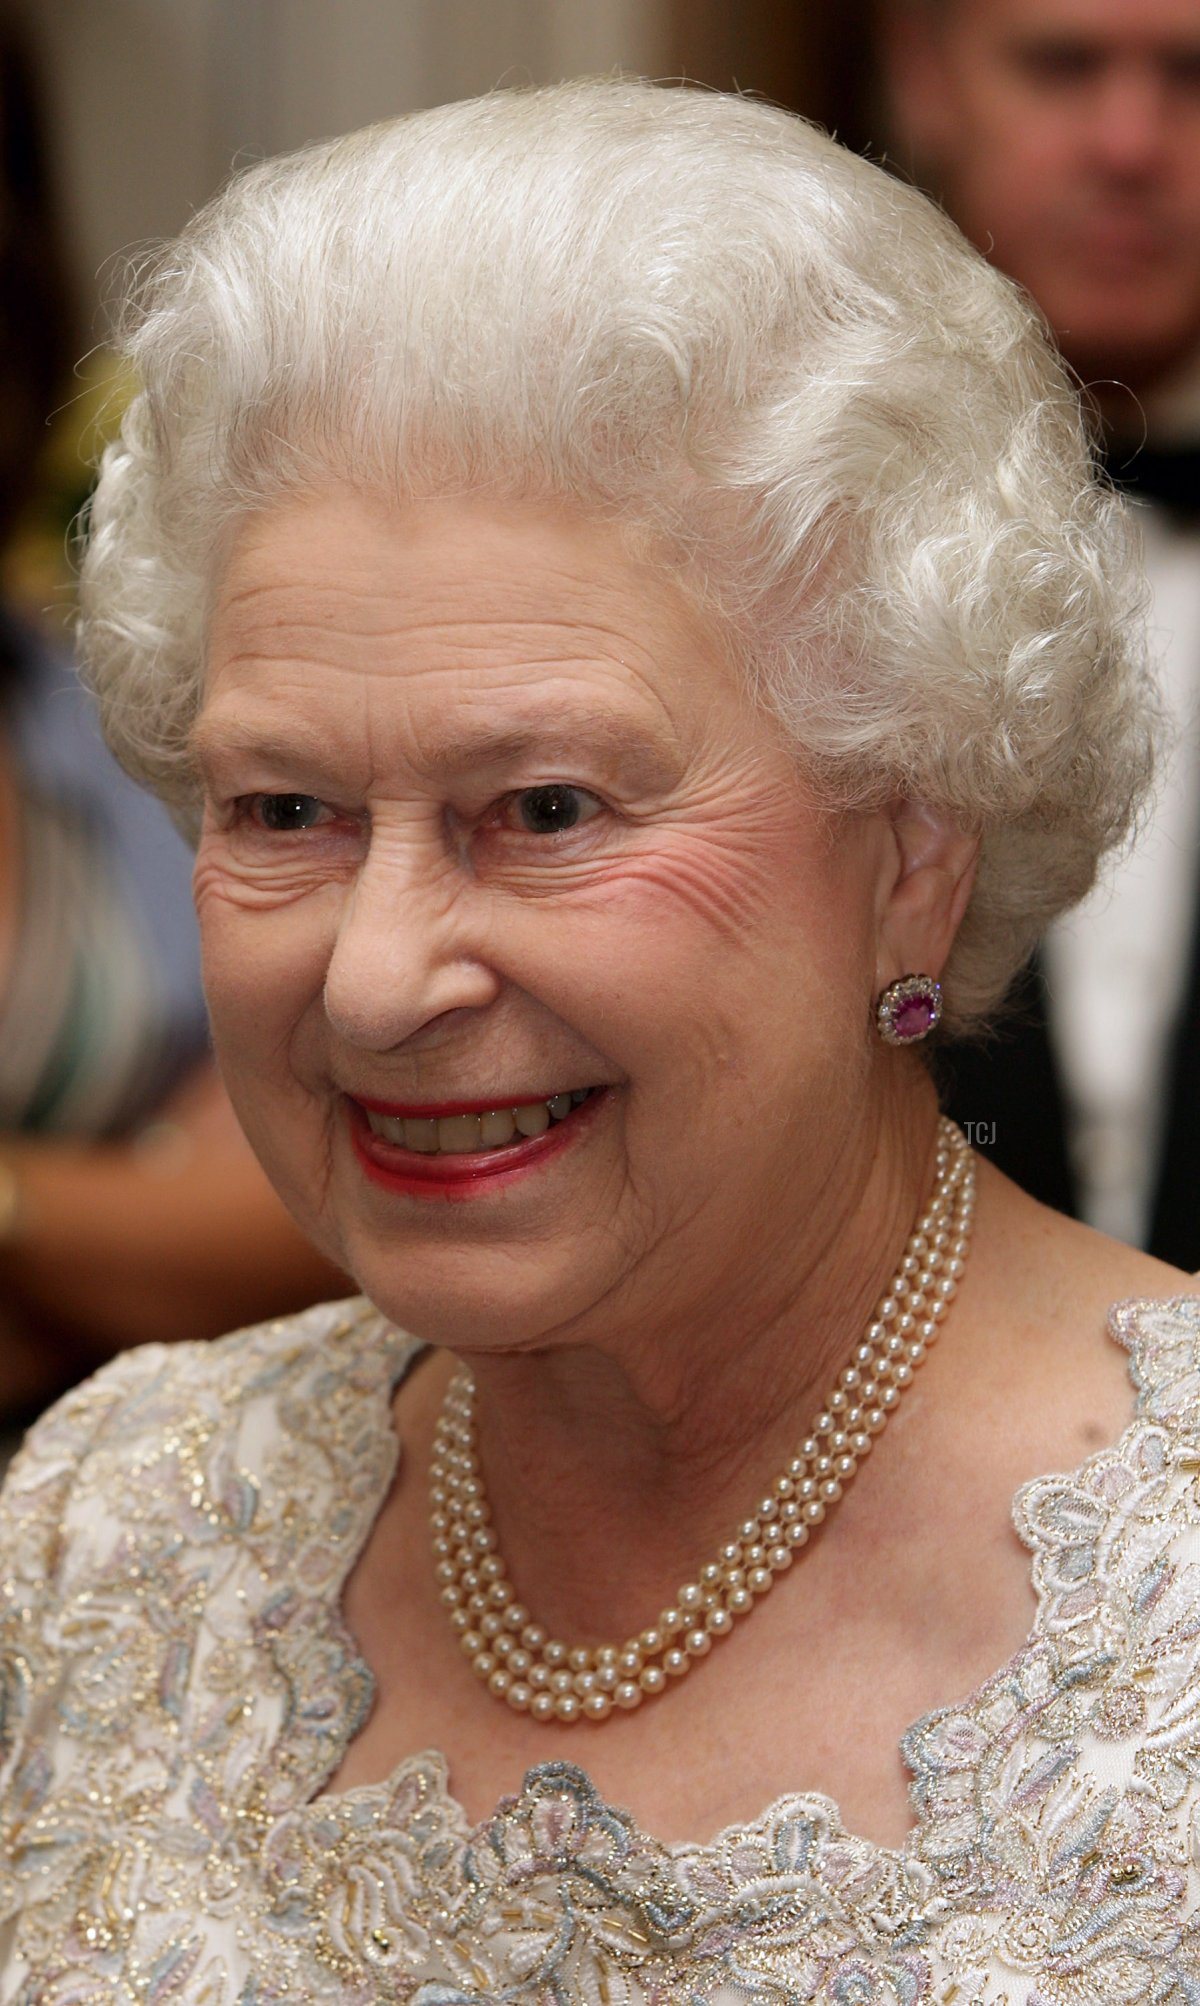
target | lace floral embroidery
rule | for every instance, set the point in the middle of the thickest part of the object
(176, 1685)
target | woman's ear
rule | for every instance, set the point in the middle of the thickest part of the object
(924, 893)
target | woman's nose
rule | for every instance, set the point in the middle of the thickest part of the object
(403, 960)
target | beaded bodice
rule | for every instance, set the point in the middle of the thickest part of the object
(177, 1685)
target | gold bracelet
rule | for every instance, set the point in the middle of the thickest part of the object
(10, 1202)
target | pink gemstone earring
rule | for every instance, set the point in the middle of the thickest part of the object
(908, 1009)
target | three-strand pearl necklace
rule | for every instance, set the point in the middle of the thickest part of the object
(537, 1674)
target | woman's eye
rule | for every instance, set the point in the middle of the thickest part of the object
(545, 811)
(282, 813)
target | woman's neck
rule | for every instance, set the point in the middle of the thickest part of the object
(616, 1461)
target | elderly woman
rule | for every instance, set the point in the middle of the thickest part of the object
(615, 586)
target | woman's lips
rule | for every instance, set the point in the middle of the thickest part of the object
(436, 1169)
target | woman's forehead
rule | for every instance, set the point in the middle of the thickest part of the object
(495, 610)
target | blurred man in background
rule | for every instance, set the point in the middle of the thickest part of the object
(1064, 137)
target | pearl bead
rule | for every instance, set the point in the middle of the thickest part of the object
(567, 1706)
(780, 1558)
(628, 1695)
(759, 1580)
(597, 1706)
(519, 1662)
(697, 1643)
(652, 1679)
(554, 1653)
(562, 1681)
(718, 1622)
(691, 1596)
(630, 1662)
(500, 1681)
(540, 1675)
(519, 1696)
(580, 1659)
(483, 1664)
(533, 1637)
(675, 1663)
(739, 1600)
(651, 1642)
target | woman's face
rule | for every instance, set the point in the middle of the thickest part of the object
(490, 825)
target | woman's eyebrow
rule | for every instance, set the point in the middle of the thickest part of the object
(556, 736)
(638, 752)
(213, 738)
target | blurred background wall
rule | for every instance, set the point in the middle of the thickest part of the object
(151, 101)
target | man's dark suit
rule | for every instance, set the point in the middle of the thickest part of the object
(1009, 1088)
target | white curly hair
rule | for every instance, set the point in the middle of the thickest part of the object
(701, 318)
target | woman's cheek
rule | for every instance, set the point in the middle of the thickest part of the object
(726, 887)
(264, 948)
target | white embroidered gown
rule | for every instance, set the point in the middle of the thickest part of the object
(177, 1685)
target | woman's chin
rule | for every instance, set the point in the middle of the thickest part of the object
(478, 1305)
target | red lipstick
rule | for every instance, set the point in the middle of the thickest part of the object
(474, 1173)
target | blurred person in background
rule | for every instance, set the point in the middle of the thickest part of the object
(1064, 137)
(131, 1207)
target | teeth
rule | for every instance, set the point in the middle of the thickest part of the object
(497, 1129)
(459, 1134)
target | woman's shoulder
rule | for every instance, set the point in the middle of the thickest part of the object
(116, 1395)
(101, 1443)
